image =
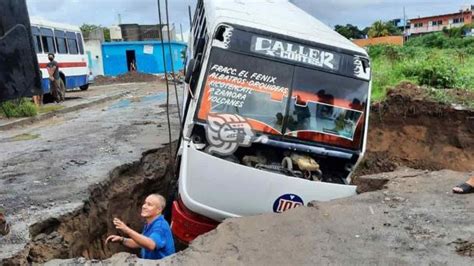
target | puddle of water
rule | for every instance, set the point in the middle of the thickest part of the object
(155, 97)
(121, 104)
(124, 103)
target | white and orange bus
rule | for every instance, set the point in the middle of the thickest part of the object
(269, 68)
(66, 42)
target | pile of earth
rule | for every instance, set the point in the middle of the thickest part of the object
(411, 129)
(128, 77)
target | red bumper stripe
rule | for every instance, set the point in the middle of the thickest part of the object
(66, 64)
(186, 226)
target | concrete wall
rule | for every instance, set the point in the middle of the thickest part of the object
(149, 57)
(93, 50)
(395, 40)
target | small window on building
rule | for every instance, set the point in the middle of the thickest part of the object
(72, 43)
(79, 41)
(47, 39)
(37, 39)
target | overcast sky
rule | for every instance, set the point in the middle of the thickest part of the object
(332, 12)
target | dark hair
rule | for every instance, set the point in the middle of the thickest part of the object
(51, 54)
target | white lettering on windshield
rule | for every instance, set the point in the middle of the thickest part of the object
(294, 52)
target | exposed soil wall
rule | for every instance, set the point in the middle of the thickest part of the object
(83, 232)
(410, 130)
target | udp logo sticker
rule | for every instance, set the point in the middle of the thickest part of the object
(286, 202)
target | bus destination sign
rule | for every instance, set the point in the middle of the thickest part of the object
(295, 52)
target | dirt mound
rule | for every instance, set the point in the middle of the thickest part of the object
(409, 129)
(128, 77)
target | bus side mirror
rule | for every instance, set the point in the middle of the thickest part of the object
(189, 70)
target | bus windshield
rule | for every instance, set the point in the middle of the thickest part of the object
(286, 100)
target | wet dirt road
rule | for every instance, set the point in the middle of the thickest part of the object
(47, 168)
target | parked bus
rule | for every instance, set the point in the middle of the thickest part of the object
(269, 69)
(66, 42)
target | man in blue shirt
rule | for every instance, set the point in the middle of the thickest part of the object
(156, 240)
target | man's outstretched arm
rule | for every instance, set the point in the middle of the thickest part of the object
(138, 238)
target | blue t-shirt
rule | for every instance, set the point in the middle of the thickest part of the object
(159, 231)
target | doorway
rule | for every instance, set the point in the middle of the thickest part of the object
(131, 61)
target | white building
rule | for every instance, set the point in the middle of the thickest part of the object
(94, 53)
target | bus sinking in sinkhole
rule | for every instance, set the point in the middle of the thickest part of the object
(275, 114)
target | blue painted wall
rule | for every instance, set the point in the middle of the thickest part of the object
(115, 57)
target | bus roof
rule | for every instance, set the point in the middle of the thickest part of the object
(37, 21)
(278, 16)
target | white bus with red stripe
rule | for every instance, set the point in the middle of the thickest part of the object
(67, 44)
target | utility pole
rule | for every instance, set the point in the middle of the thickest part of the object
(404, 24)
(181, 28)
(190, 19)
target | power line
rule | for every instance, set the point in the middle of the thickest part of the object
(172, 63)
(167, 93)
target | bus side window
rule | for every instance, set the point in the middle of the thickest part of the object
(37, 39)
(47, 39)
(79, 41)
(72, 42)
(61, 41)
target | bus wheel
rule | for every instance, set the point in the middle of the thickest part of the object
(84, 87)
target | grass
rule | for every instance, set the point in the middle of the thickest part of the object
(25, 108)
(23, 137)
(431, 67)
(49, 108)
(18, 108)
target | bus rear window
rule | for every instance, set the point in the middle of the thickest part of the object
(37, 39)
(47, 39)
(81, 45)
(61, 41)
(72, 43)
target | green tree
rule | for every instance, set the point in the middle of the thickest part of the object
(349, 31)
(88, 28)
(392, 28)
(381, 29)
(378, 29)
(365, 31)
(106, 34)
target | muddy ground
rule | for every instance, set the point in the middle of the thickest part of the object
(128, 77)
(49, 170)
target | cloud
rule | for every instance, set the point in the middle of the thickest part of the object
(331, 12)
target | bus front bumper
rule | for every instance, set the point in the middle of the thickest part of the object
(186, 225)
